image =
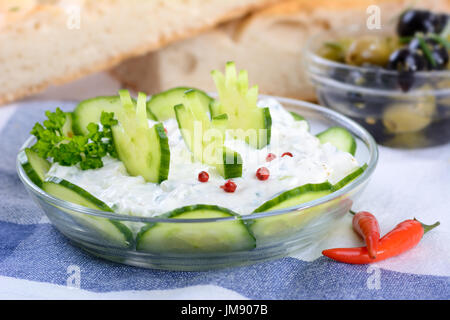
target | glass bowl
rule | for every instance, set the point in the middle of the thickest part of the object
(373, 97)
(280, 232)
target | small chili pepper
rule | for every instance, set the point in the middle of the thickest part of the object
(406, 235)
(366, 225)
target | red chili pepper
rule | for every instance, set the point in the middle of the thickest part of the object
(406, 235)
(366, 225)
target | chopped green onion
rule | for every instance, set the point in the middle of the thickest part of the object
(404, 40)
(426, 50)
(444, 42)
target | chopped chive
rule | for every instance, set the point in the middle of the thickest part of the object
(441, 40)
(404, 40)
(426, 51)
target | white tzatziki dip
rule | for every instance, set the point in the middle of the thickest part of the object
(312, 162)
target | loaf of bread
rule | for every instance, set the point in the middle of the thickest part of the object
(268, 43)
(45, 42)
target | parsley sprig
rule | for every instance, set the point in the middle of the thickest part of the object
(85, 150)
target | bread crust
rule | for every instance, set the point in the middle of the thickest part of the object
(113, 61)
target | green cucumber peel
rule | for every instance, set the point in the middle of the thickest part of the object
(205, 138)
(236, 226)
(295, 192)
(144, 150)
(350, 177)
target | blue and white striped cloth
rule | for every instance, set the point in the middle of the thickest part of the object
(36, 261)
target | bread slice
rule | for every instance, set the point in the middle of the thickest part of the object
(268, 43)
(47, 42)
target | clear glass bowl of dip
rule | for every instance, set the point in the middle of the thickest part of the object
(277, 233)
(416, 118)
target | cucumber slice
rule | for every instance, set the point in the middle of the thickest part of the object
(298, 117)
(35, 167)
(350, 177)
(296, 196)
(250, 123)
(67, 129)
(91, 110)
(205, 138)
(340, 138)
(144, 151)
(111, 230)
(161, 105)
(280, 226)
(226, 236)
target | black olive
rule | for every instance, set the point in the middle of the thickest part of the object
(439, 21)
(406, 62)
(440, 56)
(438, 52)
(405, 59)
(413, 21)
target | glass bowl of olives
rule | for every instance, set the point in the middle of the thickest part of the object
(396, 84)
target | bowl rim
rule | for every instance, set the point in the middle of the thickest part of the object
(311, 60)
(309, 52)
(354, 127)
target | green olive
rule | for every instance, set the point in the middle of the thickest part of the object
(371, 50)
(336, 50)
(408, 140)
(401, 118)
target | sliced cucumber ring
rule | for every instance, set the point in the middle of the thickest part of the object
(267, 228)
(350, 177)
(67, 129)
(91, 110)
(144, 151)
(205, 138)
(340, 138)
(250, 123)
(298, 117)
(226, 236)
(110, 230)
(161, 105)
(35, 167)
(296, 196)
